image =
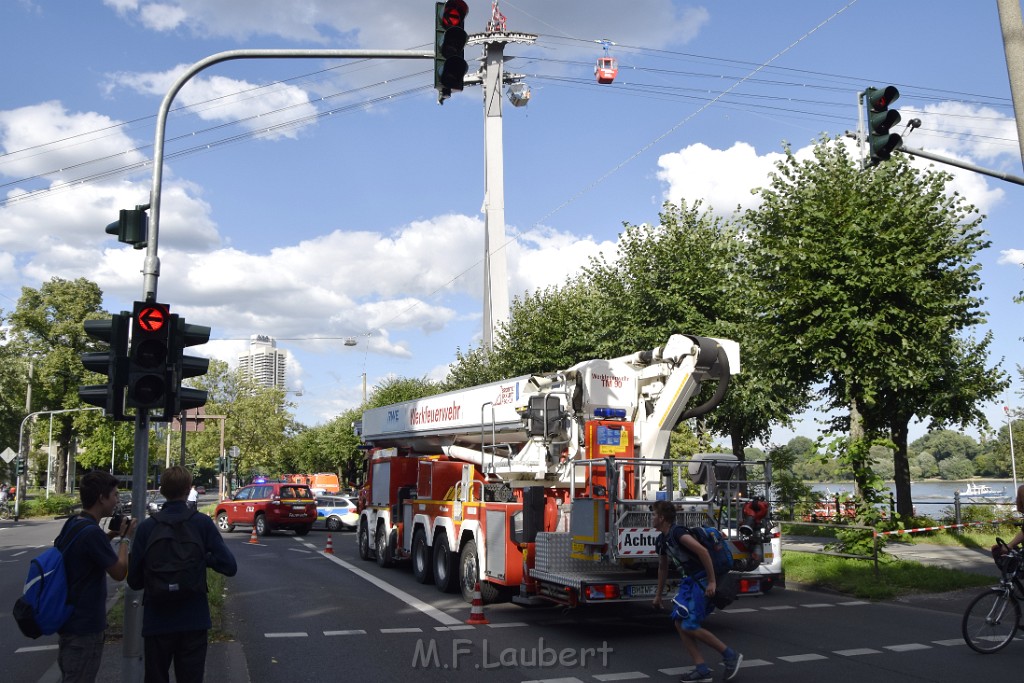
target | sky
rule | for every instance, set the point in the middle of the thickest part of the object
(317, 200)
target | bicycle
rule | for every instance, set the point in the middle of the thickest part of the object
(6, 511)
(993, 617)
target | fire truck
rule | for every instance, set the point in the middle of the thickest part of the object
(538, 488)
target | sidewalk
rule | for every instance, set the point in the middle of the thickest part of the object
(973, 560)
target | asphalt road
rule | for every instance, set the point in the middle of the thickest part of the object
(297, 613)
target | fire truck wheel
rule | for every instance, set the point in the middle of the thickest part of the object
(422, 567)
(385, 557)
(469, 575)
(365, 553)
(446, 570)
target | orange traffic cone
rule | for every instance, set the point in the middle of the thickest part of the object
(253, 538)
(329, 550)
(476, 613)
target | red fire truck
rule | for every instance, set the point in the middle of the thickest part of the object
(538, 488)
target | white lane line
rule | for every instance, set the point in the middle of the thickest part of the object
(511, 624)
(457, 627)
(814, 605)
(555, 680)
(739, 610)
(777, 608)
(412, 601)
(856, 652)
(909, 647)
(36, 648)
(401, 630)
(794, 659)
(352, 632)
(852, 603)
(626, 676)
(297, 634)
(19, 553)
(950, 642)
(299, 550)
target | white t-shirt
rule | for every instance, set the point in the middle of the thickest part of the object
(193, 495)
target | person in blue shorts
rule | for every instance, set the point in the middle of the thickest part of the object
(692, 601)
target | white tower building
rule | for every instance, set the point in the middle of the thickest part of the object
(264, 362)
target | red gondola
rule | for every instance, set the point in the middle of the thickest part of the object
(607, 67)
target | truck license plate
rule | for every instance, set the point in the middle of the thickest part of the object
(646, 590)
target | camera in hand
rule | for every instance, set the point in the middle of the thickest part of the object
(116, 520)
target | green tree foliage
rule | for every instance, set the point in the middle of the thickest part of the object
(399, 389)
(47, 325)
(866, 282)
(13, 385)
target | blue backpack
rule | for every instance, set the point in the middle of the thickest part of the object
(43, 607)
(713, 541)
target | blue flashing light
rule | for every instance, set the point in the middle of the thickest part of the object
(610, 413)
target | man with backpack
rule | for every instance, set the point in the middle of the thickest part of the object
(88, 560)
(693, 599)
(173, 549)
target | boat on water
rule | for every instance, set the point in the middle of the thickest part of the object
(982, 492)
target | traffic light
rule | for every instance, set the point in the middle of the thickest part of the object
(112, 363)
(450, 38)
(182, 336)
(132, 227)
(880, 120)
(19, 467)
(149, 368)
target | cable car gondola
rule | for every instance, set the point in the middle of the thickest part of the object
(607, 67)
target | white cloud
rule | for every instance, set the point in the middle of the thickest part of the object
(723, 179)
(217, 98)
(49, 141)
(1012, 257)
(404, 24)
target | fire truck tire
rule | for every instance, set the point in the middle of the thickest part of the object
(385, 556)
(446, 566)
(469, 575)
(422, 562)
(365, 552)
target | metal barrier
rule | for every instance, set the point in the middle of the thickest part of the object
(874, 542)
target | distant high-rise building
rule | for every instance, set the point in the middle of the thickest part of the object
(264, 362)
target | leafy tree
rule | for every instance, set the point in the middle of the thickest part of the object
(866, 284)
(945, 443)
(956, 467)
(47, 325)
(399, 389)
(927, 465)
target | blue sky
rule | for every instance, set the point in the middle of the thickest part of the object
(317, 200)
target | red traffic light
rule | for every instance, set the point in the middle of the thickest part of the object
(454, 13)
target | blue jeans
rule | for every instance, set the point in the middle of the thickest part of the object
(79, 656)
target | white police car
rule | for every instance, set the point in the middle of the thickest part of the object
(336, 513)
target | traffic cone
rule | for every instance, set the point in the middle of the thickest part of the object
(476, 613)
(329, 550)
(253, 538)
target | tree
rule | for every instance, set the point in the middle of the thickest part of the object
(13, 384)
(47, 325)
(866, 286)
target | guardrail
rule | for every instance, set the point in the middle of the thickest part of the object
(874, 542)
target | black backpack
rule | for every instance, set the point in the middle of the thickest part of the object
(174, 561)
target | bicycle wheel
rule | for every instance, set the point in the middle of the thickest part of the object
(991, 620)
(5, 512)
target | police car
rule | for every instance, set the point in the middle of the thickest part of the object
(336, 513)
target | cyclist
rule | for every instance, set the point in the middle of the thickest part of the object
(1019, 538)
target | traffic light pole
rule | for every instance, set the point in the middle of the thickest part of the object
(131, 670)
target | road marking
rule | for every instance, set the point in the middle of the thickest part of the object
(410, 600)
(353, 632)
(856, 652)
(951, 641)
(908, 647)
(814, 605)
(21, 553)
(777, 608)
(286, 635)
(627, 676)
(851, 603)
(299, 550)
(810, 657)
(36, 648)
(401, 630)
(457, 627)
(510, 624)
(555, 680)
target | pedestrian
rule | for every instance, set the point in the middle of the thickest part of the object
(175, 631)
(4, 494)
(1019, 538)
(193, 498)
(692, 602)
(80, 643)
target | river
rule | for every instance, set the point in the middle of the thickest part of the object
(934, 492)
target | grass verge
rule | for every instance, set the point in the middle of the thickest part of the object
(857, 577)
